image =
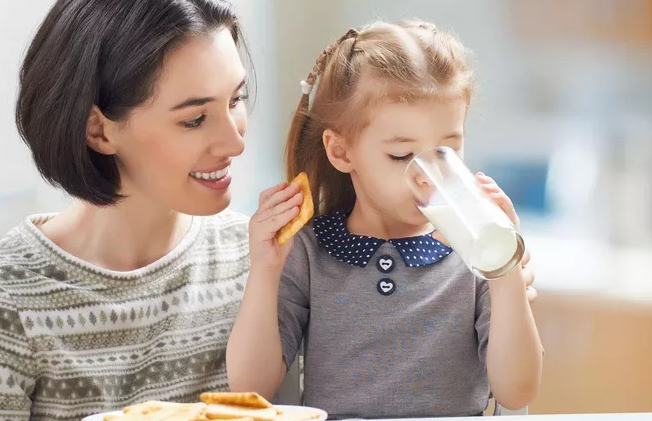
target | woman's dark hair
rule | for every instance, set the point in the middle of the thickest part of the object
(105, 53)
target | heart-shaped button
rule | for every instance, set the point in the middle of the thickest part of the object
(385, 264)
(386, 287)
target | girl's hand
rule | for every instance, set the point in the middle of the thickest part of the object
(277, 206)
(489, 186)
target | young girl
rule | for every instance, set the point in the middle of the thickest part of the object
(393, 323)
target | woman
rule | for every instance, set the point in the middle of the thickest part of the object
(136, 109)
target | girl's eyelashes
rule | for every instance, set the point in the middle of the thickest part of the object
(400, 158)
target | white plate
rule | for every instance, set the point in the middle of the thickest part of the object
(288, 409)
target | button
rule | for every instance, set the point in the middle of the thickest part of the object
(386, 287)
(385, 263)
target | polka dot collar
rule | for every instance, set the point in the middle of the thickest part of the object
(357, 250)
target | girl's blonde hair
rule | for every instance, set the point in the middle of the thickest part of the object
(405, 61)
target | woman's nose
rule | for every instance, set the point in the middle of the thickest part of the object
(229, 141)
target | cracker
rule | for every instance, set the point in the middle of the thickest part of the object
(252, 400)
(161, 411)
(217, 406)
(306, 211)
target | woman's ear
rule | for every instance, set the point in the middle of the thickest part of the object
(98, 133)
(336, 150)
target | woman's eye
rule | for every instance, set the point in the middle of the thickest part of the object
(193, 124)
(235, 101)
(400, 157)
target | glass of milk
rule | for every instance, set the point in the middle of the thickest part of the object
(447, 193)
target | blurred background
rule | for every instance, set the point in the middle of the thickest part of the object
(562, 120)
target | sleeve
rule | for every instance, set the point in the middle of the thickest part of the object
(294, 300)
(17, 367)
(482, 318)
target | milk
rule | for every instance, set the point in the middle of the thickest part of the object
(483, 244)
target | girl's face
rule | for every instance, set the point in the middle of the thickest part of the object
(396, 132)
(175, 150)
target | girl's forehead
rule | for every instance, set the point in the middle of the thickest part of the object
(424, 118)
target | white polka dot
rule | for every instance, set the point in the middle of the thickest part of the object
(440, 256)
(364, 263)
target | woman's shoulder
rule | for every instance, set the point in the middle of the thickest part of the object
(14, 247)
(18, 256)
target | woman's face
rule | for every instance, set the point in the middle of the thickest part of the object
(175, 149)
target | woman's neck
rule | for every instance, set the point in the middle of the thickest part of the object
(127, 236)
(366, 220)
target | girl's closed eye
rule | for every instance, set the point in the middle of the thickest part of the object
(400, 158)
(195, 123)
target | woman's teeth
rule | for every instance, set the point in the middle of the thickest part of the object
(215, 175)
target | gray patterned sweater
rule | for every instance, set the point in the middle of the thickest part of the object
(76, 339)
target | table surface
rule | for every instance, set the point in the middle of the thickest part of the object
(554, 417)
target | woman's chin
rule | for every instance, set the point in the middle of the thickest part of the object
(205, 206)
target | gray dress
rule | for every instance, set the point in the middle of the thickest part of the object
(392, 329)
